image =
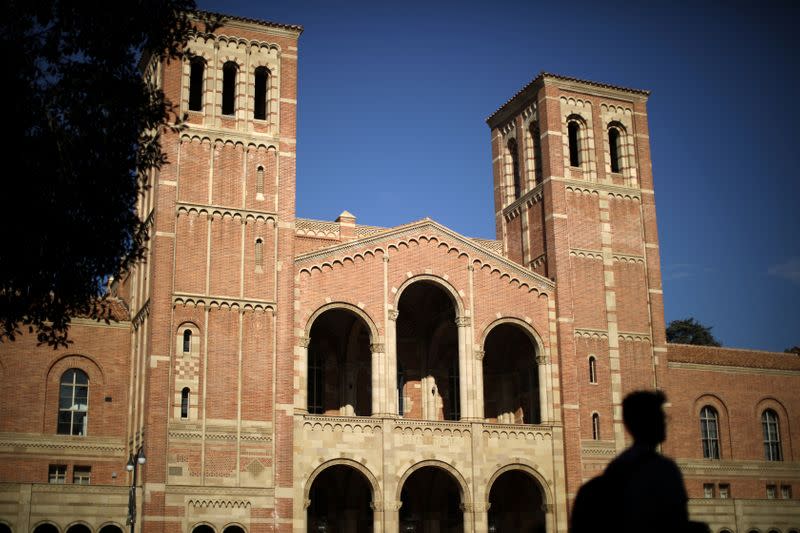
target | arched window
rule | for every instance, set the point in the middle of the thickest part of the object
(596, 426)
(592, 370)
(401, 383)
(259, 253)
(185, 403)
(260, 180)
(574, 134)
(709, 432)
(187, 341)
(196, 75)
(4, 528)
(772, 437)
(513, 153)
(260, 104)
(537, 152)
(73, 403)
(615, 150)
(229, 71)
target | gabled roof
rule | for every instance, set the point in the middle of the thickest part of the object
(422, 228)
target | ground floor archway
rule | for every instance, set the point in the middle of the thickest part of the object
(341, 502)
(431, 502)
(516, 504)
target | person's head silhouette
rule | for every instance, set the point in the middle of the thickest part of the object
(644, 418)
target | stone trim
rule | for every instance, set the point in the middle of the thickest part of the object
(212, 210)
(731, 369)
(216, 302)
(22, 443)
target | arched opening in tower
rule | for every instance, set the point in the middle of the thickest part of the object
(427, 354)
(340, 501)
(510, 377)
(339, 365)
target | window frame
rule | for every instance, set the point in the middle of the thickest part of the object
(592, 370)
(196, 83)
(709, 432)
(57, 474)
(76, 425)
(770, 427)
(185, 396)
(595, 426)
(230, 73)
(261, 112)
(81, 475)
(574, 127)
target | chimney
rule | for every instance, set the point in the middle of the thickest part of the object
(347, 226)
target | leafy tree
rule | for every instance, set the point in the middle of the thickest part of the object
(689, 331)
(81, 136)
(793, 349)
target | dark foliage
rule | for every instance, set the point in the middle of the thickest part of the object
(793, 349)
(689, 331)
(81, 138)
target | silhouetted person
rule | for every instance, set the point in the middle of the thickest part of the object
(640, 490)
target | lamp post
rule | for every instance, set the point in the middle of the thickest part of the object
(133, 461)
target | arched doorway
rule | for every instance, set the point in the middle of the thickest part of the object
(510, 376)
(78, 528)
(203, 528)
(431, 502)
(45, 528)
(5, 528)
(111, 528)
(233, 529)
(339, 365)
(341, 500)
(427, 354)
(516, 504)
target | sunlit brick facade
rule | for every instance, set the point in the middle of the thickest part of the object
(287, 374)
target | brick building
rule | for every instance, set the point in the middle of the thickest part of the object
(286, 374)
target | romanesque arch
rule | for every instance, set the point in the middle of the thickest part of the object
(433, 496)
(427, 348)
(511, 373)
(339, 497)
(517, 500)
(339, 362)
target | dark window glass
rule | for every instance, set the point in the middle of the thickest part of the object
(185, 402)
(592, 370)
(73, 403)
(229, 88)
(537, 153)
(613, 145)
(573, 130)
(197, 72)
(514, 153)
(596, 426)
(316, 373)
(454, 401)
(709, 432)
(187, 341)
(260, 105)
(772, 438)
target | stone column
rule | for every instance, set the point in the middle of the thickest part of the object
(463, 322)
(481, 517)
(301, 396)
(391, 363)
(549, 516)
(377, 517)
(544, 408)
(391, 517)
(378, 379)
(478, 362)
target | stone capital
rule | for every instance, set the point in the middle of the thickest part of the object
(542, 359)
(393, 314)
(376, 347)
(304, 341)
(463, 321)
(478, 354)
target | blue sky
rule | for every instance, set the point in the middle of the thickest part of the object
(393, 98)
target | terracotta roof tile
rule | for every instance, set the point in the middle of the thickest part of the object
(712, 355)
(295, 27)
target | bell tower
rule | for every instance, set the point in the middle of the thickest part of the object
(574, 201)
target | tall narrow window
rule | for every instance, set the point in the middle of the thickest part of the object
(316, 373)
(259, 253)
(537, 152)
(229, 70)
(614, 149)
(187, 341)
(196, 74)
(260, 104)
(596, 426)
(185, 403)
(772, 437)
(592, 370)
(260, 180)
(513, 153)
(573, 131)
(73, 403)
(709, 432)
